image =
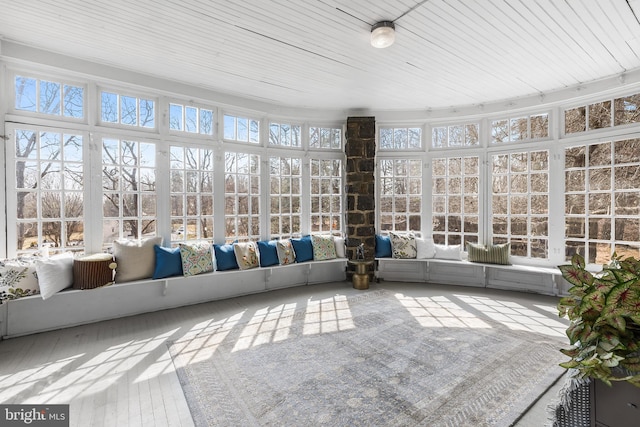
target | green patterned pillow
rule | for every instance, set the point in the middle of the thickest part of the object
(196, 258)
(247, 255)
(494, 254)
(18, 278)
(403, 245)
(323, 247)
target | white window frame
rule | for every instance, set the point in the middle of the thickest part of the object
(479, 234)
(12, 193)
(289, 215)
(13, 74)
(129, 94)
(183, 132)
(186, 225)
(141, 216)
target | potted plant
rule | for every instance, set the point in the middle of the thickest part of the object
(604, 314)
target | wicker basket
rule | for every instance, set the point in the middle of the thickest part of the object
(92, 271)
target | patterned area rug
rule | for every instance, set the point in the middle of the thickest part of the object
(373, 359)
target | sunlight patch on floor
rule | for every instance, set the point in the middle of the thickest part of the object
(267, 325)
(101, 371)
(13, 384)
(434, 312)
(204, 338)
(328, 315)
(516, 316)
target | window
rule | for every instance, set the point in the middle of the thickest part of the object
(464, 135)
(603, 114)
(285, 183)
(400, 138)
(329, 138)
(400, 194)
(520, 128)
(627, 110)
(326, 195)
(47, 97)
(241, 129)
(520, 202)
(48, 190)
(127, 110)
(190, 119)
(602, 200)
(285, 135)
(191, 194)
(455, 196)
(128, 189)
(242, 196)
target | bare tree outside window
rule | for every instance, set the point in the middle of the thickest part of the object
(48, 97)
(520, 202)
(129, 199)
(455, 203)
(242, 196)
(326, 195)
(49, 197)
(400, 194)
(191, 193)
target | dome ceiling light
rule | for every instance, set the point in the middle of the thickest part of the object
(383, 34)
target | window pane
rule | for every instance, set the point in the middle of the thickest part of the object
(175, 117)
(575, 120)
(206, 122)
(109, 107)
(129, 110)
(191, 119)
(49, 97)
(73, 101)
(147, 113)
(26, 94)
(600, 115)
(627, 110)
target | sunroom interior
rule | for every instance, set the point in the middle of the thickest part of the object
(227, 122)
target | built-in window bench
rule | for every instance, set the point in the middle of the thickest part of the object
(524, 278)
(73, 307)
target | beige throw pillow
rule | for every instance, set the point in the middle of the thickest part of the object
(136, 259)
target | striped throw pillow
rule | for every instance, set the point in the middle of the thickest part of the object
(494, 254)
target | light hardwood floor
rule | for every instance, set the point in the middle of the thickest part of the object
(120, 373)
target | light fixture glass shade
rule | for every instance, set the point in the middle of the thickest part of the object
(383, 34)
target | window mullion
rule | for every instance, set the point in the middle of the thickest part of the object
(93, 193)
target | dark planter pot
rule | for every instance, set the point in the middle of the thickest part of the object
(615, 406)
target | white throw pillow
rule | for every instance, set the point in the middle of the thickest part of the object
(54, 273)
(340, 249)
(136, 259)
(425, 248)
(448, 252)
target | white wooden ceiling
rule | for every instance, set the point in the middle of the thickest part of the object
(316, 53)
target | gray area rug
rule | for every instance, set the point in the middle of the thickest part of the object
(367, 360)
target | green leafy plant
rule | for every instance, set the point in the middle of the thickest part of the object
(604, 314)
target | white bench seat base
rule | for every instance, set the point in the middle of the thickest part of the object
(524, 278)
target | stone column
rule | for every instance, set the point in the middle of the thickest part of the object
(360, 149)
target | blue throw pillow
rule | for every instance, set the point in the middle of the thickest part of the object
(225, 257)
(268, 253)
(303, 247)
(383, 246)
(168, 262)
